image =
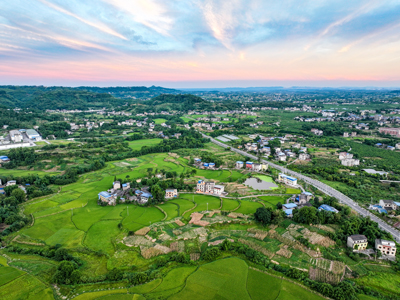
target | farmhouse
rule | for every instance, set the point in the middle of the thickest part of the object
(357, 242)
(219, 190)
(350, 162)
(256, 167)
(304, 156)
(326, 207)
(209, 187)
(387, 248)
(171, 193)
(281, 156)
(345, 155)
(388, 204)
(205, 187)
(239, 165)
(288, 180)
(303, 198)
(249, 165)
(107, 198)
(4, 159)
(11, 182)
(116, 185)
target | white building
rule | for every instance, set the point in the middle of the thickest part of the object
(357, 242)
(304, 156)
(239, 165)
(387, 248)
(219, 190)
(288, 180)
(350, 162)
(16, 136)
(33, 135)
(388, 204)
(171, 193)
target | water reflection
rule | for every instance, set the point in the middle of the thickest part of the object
(258, 184)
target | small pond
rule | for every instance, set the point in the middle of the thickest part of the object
(258, 184)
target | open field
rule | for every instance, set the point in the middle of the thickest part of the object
(137, 145)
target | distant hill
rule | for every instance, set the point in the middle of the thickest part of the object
(138, 92)
(55, 97)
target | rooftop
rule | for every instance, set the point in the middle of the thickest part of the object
(358, 237)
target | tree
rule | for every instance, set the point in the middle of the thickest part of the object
(19, 195)
(64, 272)
(279, 205)
(306, 215)
(263, 215)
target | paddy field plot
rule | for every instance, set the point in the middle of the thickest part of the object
(201, 201)
(248, 207)
(229, 204)
(222, 279)
(137, 145)
(183, 204)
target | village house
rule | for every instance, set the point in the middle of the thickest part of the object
(209, 187)
(345, 134)
(239, 165)
(107, 198)
(317, 132)
(387, 248)
(389, 205)
(171, 193)
(357, 242)
(288, 180)
(304, 156)
(350, 162)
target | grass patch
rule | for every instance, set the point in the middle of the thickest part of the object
(222, 279)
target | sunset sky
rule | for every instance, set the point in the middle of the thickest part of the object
(200, 43)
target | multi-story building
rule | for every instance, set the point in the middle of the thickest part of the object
(350, 162)
(219, 190)
(388, 204)
(357, 242)
(116, 185)
(239, 165)
(287, 179)
(391, 131)
(171, 193)
(205, 187)
(304, 156)
(387, 248)
(16, 136)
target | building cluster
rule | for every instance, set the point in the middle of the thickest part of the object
(203, 165)
(249, 165)
(297, 202)
(210, 188)
(317, 132)
(352, 134)
(359, 243)
(124, 193)
(19, 138)
(346, 159)
(9, 183)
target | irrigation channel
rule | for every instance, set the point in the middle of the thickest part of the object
(322, 187)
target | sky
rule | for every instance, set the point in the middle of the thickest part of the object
(200, 43)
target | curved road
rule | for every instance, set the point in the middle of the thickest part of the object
(322, 187)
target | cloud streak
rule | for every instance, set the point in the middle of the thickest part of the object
(196, 40)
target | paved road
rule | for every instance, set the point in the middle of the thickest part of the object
(322, 187)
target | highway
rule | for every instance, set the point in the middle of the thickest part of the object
(322, 187)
